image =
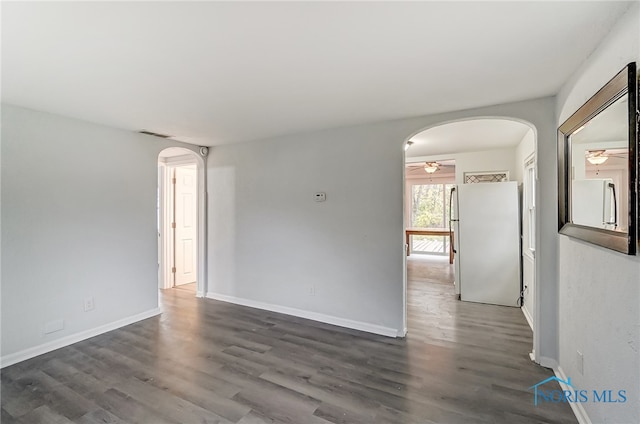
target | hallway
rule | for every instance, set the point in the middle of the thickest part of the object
(483, 347)
(434, 313)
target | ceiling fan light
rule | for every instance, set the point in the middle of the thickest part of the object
(597, 160)
(431, 167)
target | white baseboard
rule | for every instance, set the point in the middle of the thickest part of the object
(527, 315)
(32, 352)
(576, 407)
(328, 319)
(199, 293)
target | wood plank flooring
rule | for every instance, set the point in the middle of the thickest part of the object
(204, 361)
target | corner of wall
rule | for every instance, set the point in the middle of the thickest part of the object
(41, 349)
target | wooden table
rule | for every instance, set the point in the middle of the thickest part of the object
(429, 232)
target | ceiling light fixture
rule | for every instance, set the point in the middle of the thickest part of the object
(597, 160)
(431, 167)
(596, 157)
(407, 145)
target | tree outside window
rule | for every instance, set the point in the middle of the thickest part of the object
(430, 209)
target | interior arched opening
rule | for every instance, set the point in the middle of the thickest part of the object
(442, 252)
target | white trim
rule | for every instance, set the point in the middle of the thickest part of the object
(527, 315)
(537, 299)
(328, 319)
(166, 249)
(576, 407)
(404, 245)
(529, 253)
(186, 159)
(164, 272)
(202, 226)
(23, 355)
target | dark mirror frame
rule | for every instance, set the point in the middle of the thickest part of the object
(626, 82)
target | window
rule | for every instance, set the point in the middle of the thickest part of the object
(486, 177)
(430, 209)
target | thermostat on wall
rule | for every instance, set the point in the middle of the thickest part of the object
(320, 197)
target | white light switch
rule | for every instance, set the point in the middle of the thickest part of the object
(320, 197)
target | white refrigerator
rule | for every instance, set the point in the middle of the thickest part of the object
(485, 219)
(594, 203)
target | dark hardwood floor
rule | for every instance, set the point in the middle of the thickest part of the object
(204, 361)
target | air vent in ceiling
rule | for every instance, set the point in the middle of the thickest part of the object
(154, 134)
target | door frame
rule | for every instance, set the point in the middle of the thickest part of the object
(165, 248)
(530, 162)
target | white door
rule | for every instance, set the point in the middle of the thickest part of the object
(185, 218)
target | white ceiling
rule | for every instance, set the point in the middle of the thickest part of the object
(221, 72)
(467, 136)
(610, 125)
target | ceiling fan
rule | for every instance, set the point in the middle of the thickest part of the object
(428, 167)
(431, 167)
(600, 156)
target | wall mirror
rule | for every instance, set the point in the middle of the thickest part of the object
(598, 167)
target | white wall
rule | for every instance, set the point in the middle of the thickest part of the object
(78, 220)
(269, 241)
(600, 289)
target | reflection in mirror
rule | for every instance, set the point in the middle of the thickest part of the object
(600, 170)
(598, 167)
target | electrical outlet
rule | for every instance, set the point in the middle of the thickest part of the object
(88, 304)
(580, 362)
(312, 290)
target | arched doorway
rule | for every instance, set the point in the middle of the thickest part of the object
(480, 148)
(181, 210)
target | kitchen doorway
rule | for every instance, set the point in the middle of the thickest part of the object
(485, 150)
